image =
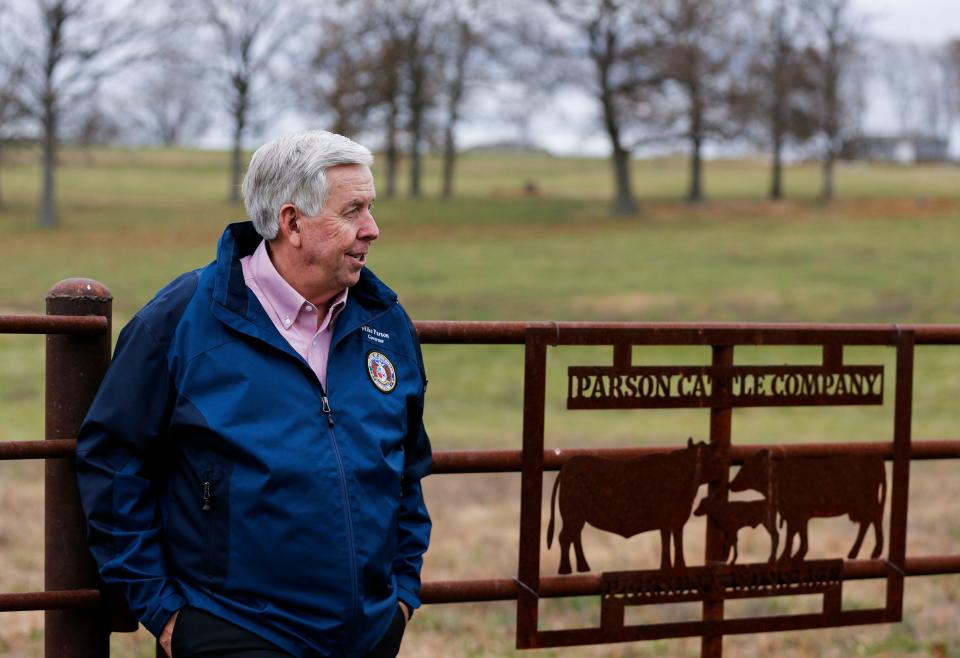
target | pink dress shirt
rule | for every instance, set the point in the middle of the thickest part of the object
(297, 320)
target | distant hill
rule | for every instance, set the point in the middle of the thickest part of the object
(507, 147)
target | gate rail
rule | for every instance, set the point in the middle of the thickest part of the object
(80, 613)
(510, 461)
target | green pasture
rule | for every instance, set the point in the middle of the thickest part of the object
(886, 251)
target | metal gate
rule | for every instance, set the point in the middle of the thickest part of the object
(596, 486)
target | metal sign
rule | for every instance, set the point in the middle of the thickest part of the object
(608, 387)
(660, 492)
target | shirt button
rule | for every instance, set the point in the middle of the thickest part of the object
(308, 308)
(287, 322)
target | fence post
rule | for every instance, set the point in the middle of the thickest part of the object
(75, 364)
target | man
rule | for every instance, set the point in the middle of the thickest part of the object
(250, 468)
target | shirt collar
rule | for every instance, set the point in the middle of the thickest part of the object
(285, 302)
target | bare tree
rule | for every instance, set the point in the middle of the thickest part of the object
(374, 75)
(837, 33)
(245, 39)
(459, 46)
(354, 75)
(342, 70)
(171, 103)
(68, 48)
(403, 65)
(416, 28)
(388, 94)
(10, 109)
(608, 53)
(12, 106)
(919, 81)
(898, 63)
(779, 95)
(938, 93)
(698, 58)
(952, 54)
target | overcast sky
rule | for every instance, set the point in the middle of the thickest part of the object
(913, 20)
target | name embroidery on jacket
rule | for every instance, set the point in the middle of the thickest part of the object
(374, 335)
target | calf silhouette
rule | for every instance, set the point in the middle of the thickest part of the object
(629, 496)
(801, 488)
(731, 515)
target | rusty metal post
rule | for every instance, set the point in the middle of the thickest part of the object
(75, 364)
(721, 420)
(900, 490)
(531, 486)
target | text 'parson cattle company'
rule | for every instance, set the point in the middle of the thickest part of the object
(603, 387)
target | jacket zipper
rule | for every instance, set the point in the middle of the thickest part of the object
(207, 496)
(327, 410)
(351, 547)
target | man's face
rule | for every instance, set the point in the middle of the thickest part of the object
(335, 241)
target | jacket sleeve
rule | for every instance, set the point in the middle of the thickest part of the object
(117, 452)
(414, 530)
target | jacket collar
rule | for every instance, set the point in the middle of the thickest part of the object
(369, 297)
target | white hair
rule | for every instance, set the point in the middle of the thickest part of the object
(292, 169)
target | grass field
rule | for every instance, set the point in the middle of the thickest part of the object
(885, 251)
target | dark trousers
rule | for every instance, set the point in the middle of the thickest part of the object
(199, 634)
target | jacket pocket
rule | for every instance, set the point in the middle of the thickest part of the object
(213, 501)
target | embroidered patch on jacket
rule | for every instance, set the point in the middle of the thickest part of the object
(381, 371)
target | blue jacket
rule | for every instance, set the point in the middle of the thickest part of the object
(215, 471)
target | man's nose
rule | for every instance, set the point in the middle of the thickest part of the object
(369, 230)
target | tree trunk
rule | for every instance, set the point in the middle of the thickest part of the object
(449, 161)
(416, 129)
(831, 130)
(415, 164)
(393, 158)
(1, 172)
(48, 206)
(453, 110)
(392, 152)
(776, 180)
(235, 165)
(827, 192)
(418, 80)
(777, 109)
(695, 193)
(623, 203)
(236, 157)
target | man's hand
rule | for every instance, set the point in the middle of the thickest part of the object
(405, 610)
(167, 635)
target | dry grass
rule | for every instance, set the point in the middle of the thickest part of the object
(476, 521)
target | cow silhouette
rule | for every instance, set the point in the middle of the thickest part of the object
(630, 496)
(731, 515)
(802, 488)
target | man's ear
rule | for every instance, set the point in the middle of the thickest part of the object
(289, 224)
